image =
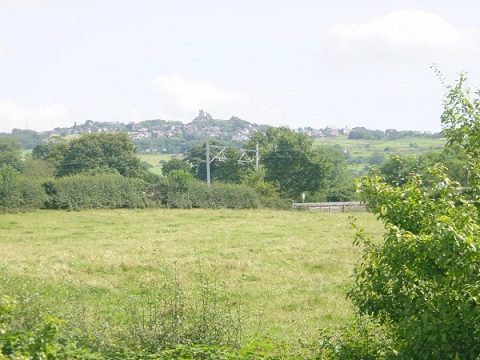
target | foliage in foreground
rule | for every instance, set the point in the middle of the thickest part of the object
(363, 338)
(163, 321)
(422, 283)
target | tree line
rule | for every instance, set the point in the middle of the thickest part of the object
(73, 174)
(290, 165)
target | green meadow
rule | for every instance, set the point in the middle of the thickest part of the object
(287, 271)
(364, 148)
(359, 152)
(154, 161)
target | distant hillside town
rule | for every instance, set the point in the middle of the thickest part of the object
(174, 136)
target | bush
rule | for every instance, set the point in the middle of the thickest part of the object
(362, 339)
(423, 280)
(18, 192)
(98, 191)
(182, 191)
(164, 315)
(424, 277)
(47, 338)
(163, 320)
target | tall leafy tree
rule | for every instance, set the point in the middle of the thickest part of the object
(52, 152)
(290, 161)
(10, 152)
(101, 151)
(226, 169)
(91, 153)
(423, 281)
(175, 165)
(27, 138)
(398, 169)
(339, 184)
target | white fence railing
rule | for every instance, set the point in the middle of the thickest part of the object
(331, 206)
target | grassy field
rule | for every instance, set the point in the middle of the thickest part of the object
(288, 270)
(364, 148)
(154, 161)
(360, 151)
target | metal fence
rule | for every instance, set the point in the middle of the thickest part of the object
(331, 206)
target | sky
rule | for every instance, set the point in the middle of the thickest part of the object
(297, 63)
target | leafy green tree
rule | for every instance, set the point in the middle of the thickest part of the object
(10, 195)
(453, 157)
(38, 168)
(363, 133)
(52, 152)
(339, 184)
(103, 150)
(174, 165)
(398, 168)
(226, 169)
(290, 161)
(230, 170)
(195, 156)
(92, 153)
(422, 283)
(10, 152)
(27, 138)
(256, 180)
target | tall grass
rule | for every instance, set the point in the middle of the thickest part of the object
(286, 270)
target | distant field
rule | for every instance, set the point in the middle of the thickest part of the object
(403, 146)
(361, 150)
(154, 161)
(407, 146)
(288, 270)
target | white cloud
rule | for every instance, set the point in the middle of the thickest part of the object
(45, 117)
(181, 98)
(404, 35)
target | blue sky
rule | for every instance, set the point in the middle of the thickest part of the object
(296, 63)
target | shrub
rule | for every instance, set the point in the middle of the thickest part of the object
(18, 192)
(163, 320)
(47, 338)
(182, 191)
(98, 191)
(423, 280)
(175, 165)
(10, 194)
(362, 339)
(164, 315)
